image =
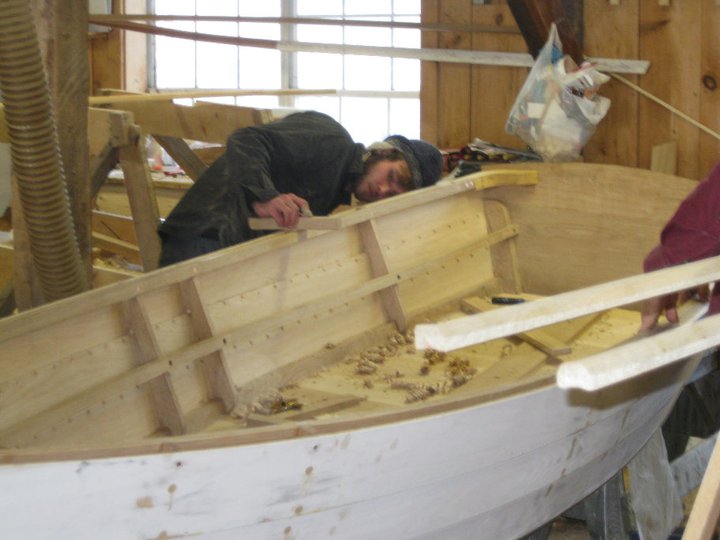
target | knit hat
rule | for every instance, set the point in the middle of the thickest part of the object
(424, 160)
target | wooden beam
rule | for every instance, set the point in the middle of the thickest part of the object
(143, 203)
(183, 155)
(705, 512)
(643, 354)
(534, 18)
(473, 329)
(127, 250)
(103, 19)
(538, 338)
(114, 226)
(504, 254)
(209, 122)
(120, 99)
(432, 55)
(445, 188)
(214, 366)
(147, 350)
(379, 267)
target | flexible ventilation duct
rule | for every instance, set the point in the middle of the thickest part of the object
(36, 156)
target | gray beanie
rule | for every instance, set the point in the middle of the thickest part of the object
(424, 160)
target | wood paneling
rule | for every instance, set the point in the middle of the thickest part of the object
(679, 40)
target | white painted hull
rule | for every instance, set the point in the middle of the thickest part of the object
(496, 471)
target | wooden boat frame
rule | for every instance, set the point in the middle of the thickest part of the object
(114, 407)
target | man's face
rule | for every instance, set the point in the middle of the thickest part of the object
(385, 179)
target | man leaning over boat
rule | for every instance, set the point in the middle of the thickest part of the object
(303, 164)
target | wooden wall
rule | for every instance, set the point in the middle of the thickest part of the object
(681, 41)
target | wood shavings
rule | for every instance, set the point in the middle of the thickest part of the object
(275, 403)
(365, 367)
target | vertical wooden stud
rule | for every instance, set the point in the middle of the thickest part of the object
(379, 265)
(143, 203)
(214, 366)
(167, 406)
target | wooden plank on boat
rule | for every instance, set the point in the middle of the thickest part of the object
(482, 327)
(640, 356)
(214, 365)
(445, 188)
(544, 341)
(504, 255)
(148, 350)
(379, 265)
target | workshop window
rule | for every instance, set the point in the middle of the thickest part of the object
(375, 95)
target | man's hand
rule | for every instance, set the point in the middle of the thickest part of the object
(285, 209)
(654, 307)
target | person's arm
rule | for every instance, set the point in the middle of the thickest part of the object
(249, 154)
(693, 233)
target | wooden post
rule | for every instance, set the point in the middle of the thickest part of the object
(706, 509)
(380, 267)
(166, 403)
(143, 203)
(214, 365)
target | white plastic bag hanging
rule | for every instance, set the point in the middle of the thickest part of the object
(558, 107)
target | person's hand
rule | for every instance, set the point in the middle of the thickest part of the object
(285, 209)
(654, 307)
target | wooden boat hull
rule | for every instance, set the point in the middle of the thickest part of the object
(496, 462)
(493, 470)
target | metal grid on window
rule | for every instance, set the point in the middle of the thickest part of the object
(375, 96)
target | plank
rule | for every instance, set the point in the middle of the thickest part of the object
(483, 327)
(616, 138)
(429, 91)
(380, 267)
(664, 158)
(538, 338)
(115, 226)
(214, 366)
(67, 68)
(127, 250)
(445, 188)
(209, 122)
(709, 147)
(183, 155)
(454, 96)
(163, 395)
(494, 88)
(643, 354)
(143, 203)
(504, 255)
(664, 38)
(706, 509)
(458, 56)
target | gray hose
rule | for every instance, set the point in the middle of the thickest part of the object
(36, 155)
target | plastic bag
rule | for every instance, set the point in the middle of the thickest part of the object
(558, 108)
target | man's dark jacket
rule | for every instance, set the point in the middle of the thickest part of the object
(308, 154)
